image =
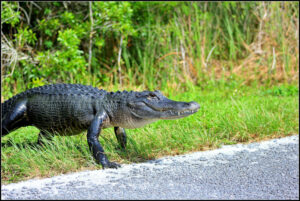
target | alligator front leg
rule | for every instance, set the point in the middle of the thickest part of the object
(94, 144)
(121, 136)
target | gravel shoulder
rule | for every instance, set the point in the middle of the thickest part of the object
(262, 170)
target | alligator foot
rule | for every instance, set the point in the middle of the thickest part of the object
(110, 165)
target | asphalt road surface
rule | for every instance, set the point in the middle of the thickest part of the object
(265, 170)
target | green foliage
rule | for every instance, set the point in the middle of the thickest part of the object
(68, 18)
(49, 27)
(283, 90)
(9, 13)
(38, 82)
(163, 43)
(25, 35)
(113, 16)
(66, 62)
(68, 39)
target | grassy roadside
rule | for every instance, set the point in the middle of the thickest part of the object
(227, 116)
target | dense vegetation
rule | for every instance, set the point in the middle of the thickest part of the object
(148, 44)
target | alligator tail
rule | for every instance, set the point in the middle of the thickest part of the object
(4, 112)
(6, 108)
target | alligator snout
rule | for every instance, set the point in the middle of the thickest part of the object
(190, 106)
(181, 109)
(193, 105)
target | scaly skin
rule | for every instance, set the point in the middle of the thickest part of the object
(69, 109)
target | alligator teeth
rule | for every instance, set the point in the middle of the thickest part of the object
(184, 112)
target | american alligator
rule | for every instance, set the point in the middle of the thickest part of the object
(69, 109)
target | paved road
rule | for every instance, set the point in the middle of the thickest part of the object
(266, 170)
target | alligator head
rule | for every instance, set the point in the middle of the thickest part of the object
(147, 106)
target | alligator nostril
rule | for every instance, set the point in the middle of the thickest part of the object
(187, 104)
(194, 105)
(191, 105)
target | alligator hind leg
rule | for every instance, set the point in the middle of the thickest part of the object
(15, 119)
(121, 136)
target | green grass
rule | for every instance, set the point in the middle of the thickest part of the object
(227, 115)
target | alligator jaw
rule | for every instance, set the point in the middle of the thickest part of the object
(147, 107)
(174, 109)
(188, 109)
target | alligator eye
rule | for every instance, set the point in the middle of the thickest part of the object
(152, 96)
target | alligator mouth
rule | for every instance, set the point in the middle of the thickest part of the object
(169, 110)
(178, 114)
(181, 110)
